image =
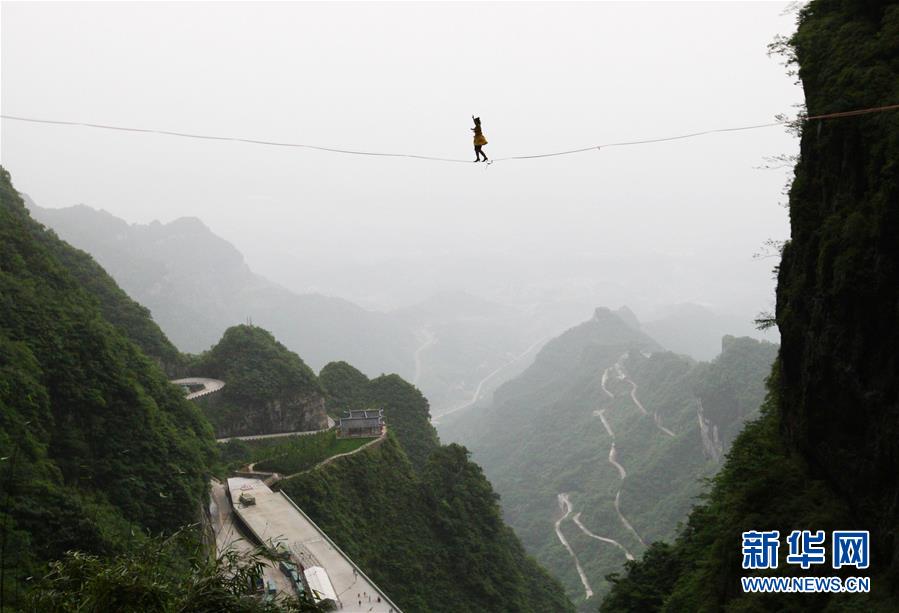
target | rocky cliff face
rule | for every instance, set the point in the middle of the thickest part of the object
(825, 453)
(838, 288)
(268, 389)
(291, 413)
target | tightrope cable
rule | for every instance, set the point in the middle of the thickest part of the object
(780, 122)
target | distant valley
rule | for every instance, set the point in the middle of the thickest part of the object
(456, 347)
(600, 446)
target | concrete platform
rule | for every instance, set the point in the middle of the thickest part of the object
(274, 518)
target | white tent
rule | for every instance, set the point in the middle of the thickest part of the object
(320, 584)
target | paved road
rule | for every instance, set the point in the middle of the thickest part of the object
(656, 418)
(565, 505)
(429, 339)
(209, 385)
(613, 453)
(604, 380)
(613, 460)
(327, 461)
(477, 393)
(253, 437)
(576, 518)
(275, 518)
(227, 536)
(601, 414)
(624, 520)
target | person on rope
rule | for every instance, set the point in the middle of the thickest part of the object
(479, 140)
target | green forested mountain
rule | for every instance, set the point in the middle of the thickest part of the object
(197, 284)
(420, 518)
(605, 438)
(267, 387)
(96, 447)
(405, 409)
(95, 444)
(823, 455)
(432, 538)
(131, 318)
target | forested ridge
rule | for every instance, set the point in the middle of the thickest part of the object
(547, 442)
(420, 517)
(197, 284)
(97, 447)
(822, 456)
(99, 452)
(432, 538)
(406, 410)
(268, 389)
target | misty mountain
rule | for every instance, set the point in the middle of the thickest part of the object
(824, 451)
(469, 345)
(696, 330)
(609, 435)
(197, 285)
(101, 449)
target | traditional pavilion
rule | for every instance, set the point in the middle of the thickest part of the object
(361, 424)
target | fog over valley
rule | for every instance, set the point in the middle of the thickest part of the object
(649, 226)
(519, 307)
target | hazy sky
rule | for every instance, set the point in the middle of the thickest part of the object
(406, 77)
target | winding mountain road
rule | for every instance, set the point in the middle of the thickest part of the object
(613, 452)
(624, 520)
(477, 393)
(429, 339)
(634, 395)
(604, 380)
(209, 386)
(622, 374)
(658, 421)
(613, 460)
(576, 518)
(565, 505)
(213, 385)
(601, 414)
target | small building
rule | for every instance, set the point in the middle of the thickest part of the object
(361, 424)
(320, 586)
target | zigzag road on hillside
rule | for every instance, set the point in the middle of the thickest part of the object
(576, 518)
(613, 460)
(613, 453)
(624, 520)
(656, 418)
(565, 505)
